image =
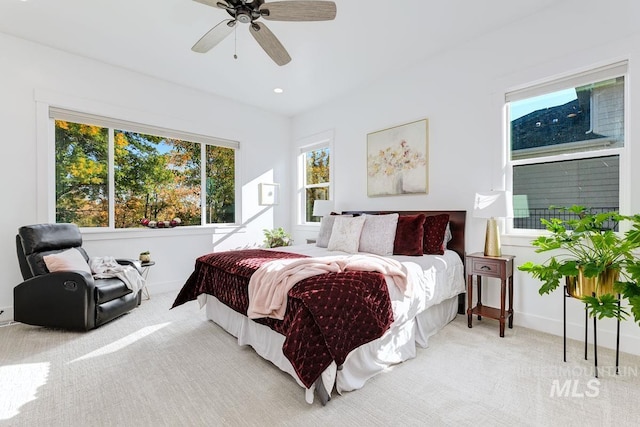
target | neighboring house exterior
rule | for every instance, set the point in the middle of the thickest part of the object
(589, 123)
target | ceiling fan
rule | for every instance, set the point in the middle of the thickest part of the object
(249, 11)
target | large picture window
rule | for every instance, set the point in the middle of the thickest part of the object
(566, 140)
(108, 174)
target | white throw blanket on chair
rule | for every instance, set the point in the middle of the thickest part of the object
(106, 267)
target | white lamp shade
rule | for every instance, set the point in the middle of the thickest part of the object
(493, 204)
(322, 207)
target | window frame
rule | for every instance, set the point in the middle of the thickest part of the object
(305, 145)
(569, 80)
(66, 108)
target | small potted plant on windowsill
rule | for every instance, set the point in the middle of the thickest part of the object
(595, 262)
(276, 237)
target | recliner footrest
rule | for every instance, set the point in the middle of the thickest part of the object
(115, 308)
(110, 289)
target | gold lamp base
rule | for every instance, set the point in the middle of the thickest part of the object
(492, 239)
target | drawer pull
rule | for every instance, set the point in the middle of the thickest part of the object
(485, 268)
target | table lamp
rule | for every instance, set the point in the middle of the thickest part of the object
(322, 207)
(492, 205)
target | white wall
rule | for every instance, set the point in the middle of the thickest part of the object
(29, 71)
(461, 92)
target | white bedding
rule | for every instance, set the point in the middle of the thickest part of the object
(436, 279)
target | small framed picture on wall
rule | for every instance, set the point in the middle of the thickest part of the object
(267, 194)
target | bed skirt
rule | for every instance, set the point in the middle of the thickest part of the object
(397, 345)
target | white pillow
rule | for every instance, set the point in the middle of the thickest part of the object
(326, 225)
(345, 234)
(447, 234)
(378, 234)
(69, 260)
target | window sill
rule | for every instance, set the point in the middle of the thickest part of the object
(89, 234)
(307, 227)
(519, 240)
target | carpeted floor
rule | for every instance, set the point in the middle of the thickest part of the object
(161, 367)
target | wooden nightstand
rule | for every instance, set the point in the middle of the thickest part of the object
(499, 267)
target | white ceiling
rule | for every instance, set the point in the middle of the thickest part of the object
(367, 40)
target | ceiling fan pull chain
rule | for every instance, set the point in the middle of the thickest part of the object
(235, 42)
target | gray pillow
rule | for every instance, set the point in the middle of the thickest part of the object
(378, 234)
(326, 225)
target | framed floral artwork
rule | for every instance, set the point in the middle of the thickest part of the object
(398, 160)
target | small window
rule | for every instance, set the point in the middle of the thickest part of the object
(314, 174)
(317, 182)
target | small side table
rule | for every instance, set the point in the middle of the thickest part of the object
(499, 267)
(145, 274)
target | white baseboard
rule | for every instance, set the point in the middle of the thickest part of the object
(163, 287)
(575, 331)
(6, 316)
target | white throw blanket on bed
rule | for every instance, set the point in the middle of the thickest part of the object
(106, 267)
(271, 282)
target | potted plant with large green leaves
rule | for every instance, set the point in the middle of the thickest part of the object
(594, 261)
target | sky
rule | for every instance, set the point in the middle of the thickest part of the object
(529, 105)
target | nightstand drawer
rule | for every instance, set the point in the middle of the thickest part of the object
(487, 267)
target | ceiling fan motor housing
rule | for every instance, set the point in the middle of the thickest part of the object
(244, 11)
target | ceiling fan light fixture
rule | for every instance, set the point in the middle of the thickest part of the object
(243, 17)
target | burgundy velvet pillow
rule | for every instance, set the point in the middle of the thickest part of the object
(435, 228)
(409, 235)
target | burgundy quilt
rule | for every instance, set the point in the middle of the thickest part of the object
(327, 315)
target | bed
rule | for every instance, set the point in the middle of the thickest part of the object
(341, 328)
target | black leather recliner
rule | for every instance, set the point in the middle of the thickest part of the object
(64, 299)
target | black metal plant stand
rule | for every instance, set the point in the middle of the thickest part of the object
(595, 332)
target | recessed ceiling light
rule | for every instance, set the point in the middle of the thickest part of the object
(278, 90)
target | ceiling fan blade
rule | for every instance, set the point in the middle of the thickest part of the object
(269, 43)
(214, 36)
(215, 3)
(299, 10)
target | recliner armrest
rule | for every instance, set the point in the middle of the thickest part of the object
(129, 261)
(63, 299)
